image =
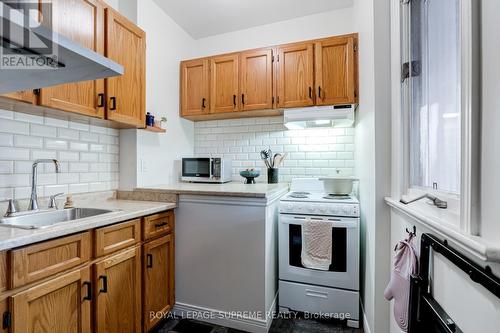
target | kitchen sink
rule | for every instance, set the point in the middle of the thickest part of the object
(48, 218)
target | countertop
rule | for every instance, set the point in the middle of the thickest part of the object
(128, 209)
(259, 190)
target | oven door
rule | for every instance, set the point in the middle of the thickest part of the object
(197, 168)
(344, 270)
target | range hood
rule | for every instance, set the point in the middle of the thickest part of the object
(27, 64)
(320, 116)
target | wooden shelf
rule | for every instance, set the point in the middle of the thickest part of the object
(155, 129)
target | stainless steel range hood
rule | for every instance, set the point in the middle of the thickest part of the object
(23, 67)
(320, 116)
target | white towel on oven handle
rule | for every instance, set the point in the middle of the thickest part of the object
(316, 245)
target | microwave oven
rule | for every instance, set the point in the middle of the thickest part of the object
(206, 170)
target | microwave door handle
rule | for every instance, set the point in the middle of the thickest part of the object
(211, 166)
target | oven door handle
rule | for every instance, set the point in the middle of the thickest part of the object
(317, 294)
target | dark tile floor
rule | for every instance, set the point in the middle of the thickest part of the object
(279, 326)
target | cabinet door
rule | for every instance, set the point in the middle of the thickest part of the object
(61, 305)
(295, 75)
(335, 71)
(4, 309)
(118, 292)
(82, 21)
(194, 87)
(224, 84)
(256, 80)
(126, 94)
(158, 278)
(24, 96)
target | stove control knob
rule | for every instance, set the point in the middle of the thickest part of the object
(322, 209)
(310, 209)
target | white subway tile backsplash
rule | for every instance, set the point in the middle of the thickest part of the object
(42, 130)
(311, 152)
(80, 146)
(13, 126)
(28, 141)
(88, 156)
(6, 140)
(56, 144)
(6, 166)
(12, 154)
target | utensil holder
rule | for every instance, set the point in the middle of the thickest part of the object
(272, 175)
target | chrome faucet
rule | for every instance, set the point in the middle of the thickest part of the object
(33, 205)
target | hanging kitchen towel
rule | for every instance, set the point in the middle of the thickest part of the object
(405, 265)
(316, 245)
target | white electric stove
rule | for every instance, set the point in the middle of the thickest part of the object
(333, 293)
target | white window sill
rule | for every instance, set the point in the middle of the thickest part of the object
(444, 223)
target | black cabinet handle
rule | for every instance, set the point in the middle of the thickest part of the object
(89, 291)
(203, 102)
(104, 288)
(112, 103)
(319, 91)
(243, 99)
(100, 100)
(149, 260)
(310, 93)
(234, 100)
(159, 225)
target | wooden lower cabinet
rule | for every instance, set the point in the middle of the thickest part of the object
(118, 292)
(61, 305)
(4, 308)
(158, 279)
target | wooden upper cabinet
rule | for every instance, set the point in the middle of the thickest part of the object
(24, 96)
(194, 87)
(82, 21)
(224, 83)
(335, 71)
(61, 305)
(256, 80)
(126, 94)
(118, 292)
(158, 279)
(295, 75)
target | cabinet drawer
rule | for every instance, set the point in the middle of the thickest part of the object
(158, 224)
(116, 237)
(35, 262)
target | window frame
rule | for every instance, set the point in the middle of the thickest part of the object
(466, 203)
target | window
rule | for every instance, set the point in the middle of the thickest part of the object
(439, 141)
(434, 109)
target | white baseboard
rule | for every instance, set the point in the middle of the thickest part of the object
(224, 318)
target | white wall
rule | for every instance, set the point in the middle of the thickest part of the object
(327, 24)
(167, 45)
(373, 156)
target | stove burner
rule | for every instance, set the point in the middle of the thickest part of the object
(333, 196)
(299, 195)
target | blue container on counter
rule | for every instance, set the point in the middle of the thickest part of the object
(150, 119)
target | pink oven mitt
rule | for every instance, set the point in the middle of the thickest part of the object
(405, 264)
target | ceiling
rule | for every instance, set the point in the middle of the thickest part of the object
(203, 18)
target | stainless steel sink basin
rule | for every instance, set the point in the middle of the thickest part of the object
(44, 219)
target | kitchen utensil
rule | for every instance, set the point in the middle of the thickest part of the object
(250, 175)
(276, 158)
(272, 175)
(264, 155)
(338, 185)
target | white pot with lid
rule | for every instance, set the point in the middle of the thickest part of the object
(338, 185)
